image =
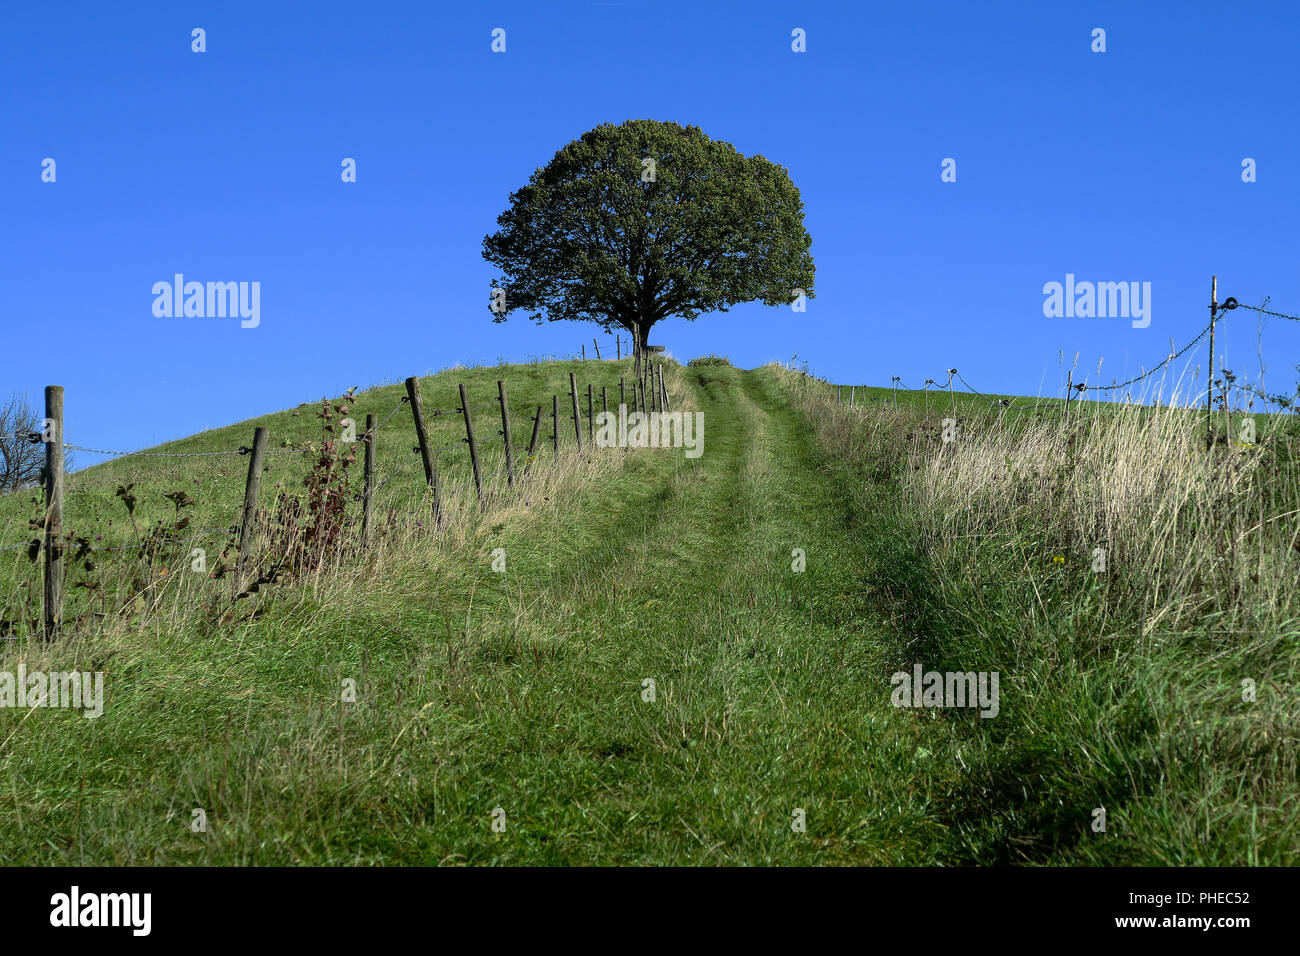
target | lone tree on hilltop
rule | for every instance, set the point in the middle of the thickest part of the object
(634, 223)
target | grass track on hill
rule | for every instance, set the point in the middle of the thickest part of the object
(521, 691)
(524, 691)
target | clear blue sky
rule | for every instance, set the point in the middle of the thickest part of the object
(225, 166)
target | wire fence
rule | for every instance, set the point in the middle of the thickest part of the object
(1080, 388)
(473, 451)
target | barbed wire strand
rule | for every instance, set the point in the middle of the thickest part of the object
(154, 454)
(1254, 308)
(1082, 387)
(396, 409)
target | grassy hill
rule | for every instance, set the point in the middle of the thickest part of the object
(651, 680)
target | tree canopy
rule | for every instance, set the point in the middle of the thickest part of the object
(634, 223)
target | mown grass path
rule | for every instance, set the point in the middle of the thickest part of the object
(769, 691)
(524, 692)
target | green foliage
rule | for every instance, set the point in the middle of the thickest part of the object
(706, 360)
(588, 238)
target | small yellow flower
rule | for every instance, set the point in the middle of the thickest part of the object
(1057, 559)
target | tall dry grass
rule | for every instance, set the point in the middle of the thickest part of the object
(1159, 685)
(1210, 533)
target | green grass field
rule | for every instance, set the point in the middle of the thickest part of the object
(524, 699)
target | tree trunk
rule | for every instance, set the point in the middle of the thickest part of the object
(640, 333)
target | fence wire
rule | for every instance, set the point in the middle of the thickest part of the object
(1228, 305)
(156, 454)
(1083, 387)
(1110, 388)
(1231, 303)
(457, 487)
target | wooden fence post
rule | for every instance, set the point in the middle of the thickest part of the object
(53, 431)
(251, 486)
(622, 398)
(618, 345)
(505, 432)
(637, 357)
(591, 415)
(532, 445)
(852, 395)
(577, 418)
(597, 345)
(663, 391)
(473, 445)
(584, 351)
(1209, 385)
(555, 425)
(368, 496)
(604, 399)
(426, 453)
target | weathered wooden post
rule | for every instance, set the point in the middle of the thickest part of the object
(1209, 385)
(505, 432)
(555, 425)
(53, 435)
(604, 399)
(368, 495)
(636, 349)
(597, 345)
(591, 415)
(426, 453)
(577, 419)
(622, 398)
(584, 351)
(663, 391)
(618, 345)
(251, 486)
(532, 444)
(473, 445)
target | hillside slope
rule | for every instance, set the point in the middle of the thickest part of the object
(521, 691)
(685, 661)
